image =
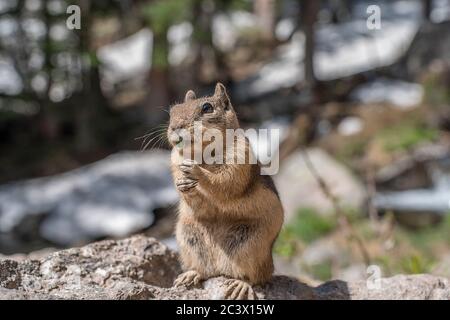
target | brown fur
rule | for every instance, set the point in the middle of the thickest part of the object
(229, 215)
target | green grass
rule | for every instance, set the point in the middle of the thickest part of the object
(284, 246)
(402, 136)
(426, 238)
(352, 149)
(425, 247)
(415, 251)
(321, 271)
(406, 135)
(416, 264)
(306, 227)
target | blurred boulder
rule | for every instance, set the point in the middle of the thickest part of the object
(416, 188)
(142, 268)
(400, 287)
(298, 188)
(323, 250)
(354, 272)
(113, 197)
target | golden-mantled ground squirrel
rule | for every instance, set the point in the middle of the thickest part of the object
(229, 214)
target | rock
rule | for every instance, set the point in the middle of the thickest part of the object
(321, 251)
(400, 287)
(9, 277)
(416, 187)
(353, 273)
(293, 267)
(129, 268)
(113, 197)
(299, 189)
(142, 268)
(34, 255)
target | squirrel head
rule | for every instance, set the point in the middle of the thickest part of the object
(214, 111)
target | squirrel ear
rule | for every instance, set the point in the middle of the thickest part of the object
(190, 95)
(220, 90)
(221, 93)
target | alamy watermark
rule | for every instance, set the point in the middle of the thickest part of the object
(231, 146)
(74, 20)
(373, 282)
(373, 21)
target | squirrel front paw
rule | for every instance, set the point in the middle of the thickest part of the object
(189, 279)
(190, 169)
(189, 179)
(239, 290)
(185, 184)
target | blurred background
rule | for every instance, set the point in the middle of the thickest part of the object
(362, 104)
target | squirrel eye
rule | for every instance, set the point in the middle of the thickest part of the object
(207, 108)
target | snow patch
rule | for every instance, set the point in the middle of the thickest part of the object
(350, 126)
(112, 197)
(404, 95)
(128, 57)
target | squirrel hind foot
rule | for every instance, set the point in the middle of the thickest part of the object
(188, 279)
(239, 290)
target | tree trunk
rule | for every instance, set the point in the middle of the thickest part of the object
(308, 15)
(206, 68)
(159, 78)
(91, 115)
(48, 123)
(427, 8)
(265, 12)
(159, 89)
(84, 137)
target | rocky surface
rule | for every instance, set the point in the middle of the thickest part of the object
(298, 188)
(142, 268)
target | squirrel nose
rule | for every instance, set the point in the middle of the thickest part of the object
(175, 138)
